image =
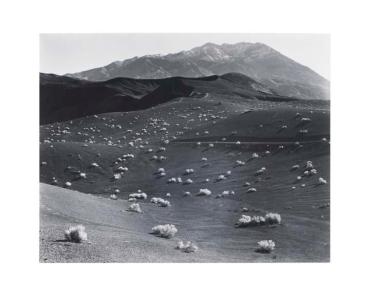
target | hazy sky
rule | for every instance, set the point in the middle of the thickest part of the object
(68, 53)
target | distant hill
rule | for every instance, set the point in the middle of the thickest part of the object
(63, 98)
(256, 60)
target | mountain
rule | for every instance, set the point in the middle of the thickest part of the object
(256, 60)
(63, 98)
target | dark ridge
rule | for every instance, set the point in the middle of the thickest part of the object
(64, 98)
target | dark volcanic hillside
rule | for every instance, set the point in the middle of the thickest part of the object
(256, 60)
(63, 98)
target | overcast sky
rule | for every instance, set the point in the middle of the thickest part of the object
(69, 53)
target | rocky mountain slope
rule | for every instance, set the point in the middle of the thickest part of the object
(256, 60)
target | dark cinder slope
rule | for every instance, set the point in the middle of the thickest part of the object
(63, 98)
(256, 60)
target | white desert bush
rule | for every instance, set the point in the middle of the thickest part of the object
(228, 173)
(67, 184)
(322, 181)
(261, 171)
(203, 192)
(252, 189)
(135, 207)
(113, 196)
(204, 159)
(160, 170)
(246, 184)
(166, 230)
(122, 169)
(187, 193)
(273, 218)
(265, 246)
(211, 145)
(189, 171)
(117, 176)
(255, 155)
(188, 181)
(187, 247)
(160, 202)
(221, 177)
(309, 165)
(239, 163)
(76, 234)
(226, 193)
(138, 195)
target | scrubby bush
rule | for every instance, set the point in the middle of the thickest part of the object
(252, 189)
(166, 230)
(221, 177)
(187, 247)
(187, 193)
(135, 207)
(322, 181)
(67, 184)
(260, 171)
(265, 246)
(189, 171)
(239, 163)
(188, 181)
(76, 234)
(160, 202)
(204, 192)
(269, 219)
(273, 218)
(226, 193)
(138, 195)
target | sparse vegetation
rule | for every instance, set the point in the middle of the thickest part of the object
(76, 234)
(165, 231)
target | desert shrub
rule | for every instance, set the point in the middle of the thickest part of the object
(188, 181)
(260, 171)
(204, 192)
(138, 195)
(187, 247)
(226, 193)
(221, 177)
(273, 218)
(135, 207)
(295, 167)
(67, 184)
(269, 219)
(239, 163)
(322, 181)
(76, 234)
(189, 171)
(160, 202)
(187, 193)
(166, 230)
(265, 246)
(251, 190)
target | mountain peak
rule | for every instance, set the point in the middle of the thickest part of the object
(256, 60)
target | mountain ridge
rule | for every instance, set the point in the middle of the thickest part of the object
(256, 60)
(63, 98)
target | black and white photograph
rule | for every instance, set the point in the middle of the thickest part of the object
(214, 153)
(184, 147)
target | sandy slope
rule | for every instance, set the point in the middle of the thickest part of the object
(120, 236)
